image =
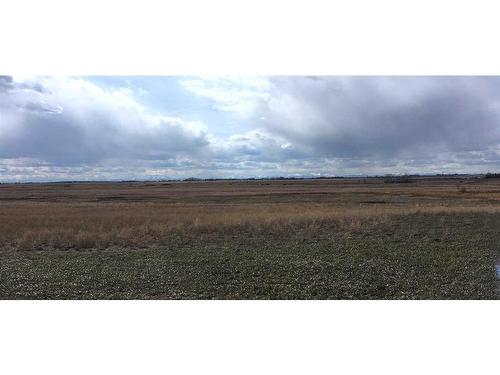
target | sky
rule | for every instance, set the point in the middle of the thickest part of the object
(173, 127)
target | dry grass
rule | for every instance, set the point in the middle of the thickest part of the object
(139, 215)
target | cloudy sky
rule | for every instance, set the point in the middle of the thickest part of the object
(97, 128)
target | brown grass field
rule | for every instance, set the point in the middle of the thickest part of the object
(285, 239)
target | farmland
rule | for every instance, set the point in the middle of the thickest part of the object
(428, 238)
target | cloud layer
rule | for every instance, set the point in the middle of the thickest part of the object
(54, 128)
(71, 122)
(379, 117)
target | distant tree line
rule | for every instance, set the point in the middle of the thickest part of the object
(398, 179)
(492, 175)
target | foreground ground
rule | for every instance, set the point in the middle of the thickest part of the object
(362, 239)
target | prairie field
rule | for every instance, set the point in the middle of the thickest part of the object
(428, 238)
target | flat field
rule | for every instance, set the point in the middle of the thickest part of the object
(431, 238)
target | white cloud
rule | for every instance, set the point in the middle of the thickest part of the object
(73, 121)
(238, 95)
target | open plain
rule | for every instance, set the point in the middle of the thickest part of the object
(372, 238)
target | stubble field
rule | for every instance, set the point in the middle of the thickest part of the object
(431, 238)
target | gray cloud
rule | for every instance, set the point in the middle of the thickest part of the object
(384, 117)
(6, 83)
